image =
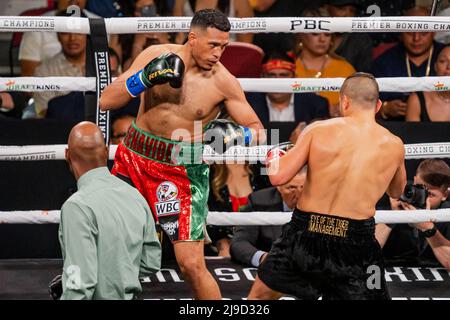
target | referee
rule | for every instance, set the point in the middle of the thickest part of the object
(107, 232)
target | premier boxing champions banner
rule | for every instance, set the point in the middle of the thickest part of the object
(238, 25)
(286, 24)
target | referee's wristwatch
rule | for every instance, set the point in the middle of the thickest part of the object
(430, 232)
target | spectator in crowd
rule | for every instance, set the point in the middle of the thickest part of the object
(69, 62)
(415, 56)
(36, 47)
(296, 107)
(443, 37)
(134, 44)
(107, 233)
(355, 47)
(105, 8)
(120, 125)
(315, 59)
(250, 244)
(387, 8)
(230, 185)
(127, 8)
(425, 241)
(232, 8)
(71, 106)
(12, 104)
(434, 105)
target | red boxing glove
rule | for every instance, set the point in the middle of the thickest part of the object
(278, 151)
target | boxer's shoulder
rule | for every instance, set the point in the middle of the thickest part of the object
(224, 80)
(317, 127)
(156, 50)
(391, 138)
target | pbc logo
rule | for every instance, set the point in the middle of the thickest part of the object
(168, 204)
(310, 24)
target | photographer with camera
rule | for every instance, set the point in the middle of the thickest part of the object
(423, 241)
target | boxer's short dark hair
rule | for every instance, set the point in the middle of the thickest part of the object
(211, 18)
(435, 173)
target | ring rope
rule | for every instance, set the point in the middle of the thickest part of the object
(288, 85)
(242, 218)
(235, 153)
(238, 25)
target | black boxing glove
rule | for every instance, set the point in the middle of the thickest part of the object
(55, 287)
(166, 68)
(221, 134)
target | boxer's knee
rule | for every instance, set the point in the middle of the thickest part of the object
(192, 267)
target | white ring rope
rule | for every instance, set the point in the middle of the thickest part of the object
(236, 153)
(243, 218)
(293, 85)
(280, 218)
(238, 25)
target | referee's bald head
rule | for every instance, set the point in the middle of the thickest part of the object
(86, 147)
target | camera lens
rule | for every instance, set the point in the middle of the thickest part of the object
(409, 193)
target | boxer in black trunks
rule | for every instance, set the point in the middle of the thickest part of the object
(329, 248)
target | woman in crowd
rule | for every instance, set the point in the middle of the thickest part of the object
(435, 105)
(315, 59)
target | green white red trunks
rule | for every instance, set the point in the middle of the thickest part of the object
(171, 176)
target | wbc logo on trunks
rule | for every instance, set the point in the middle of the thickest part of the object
(167, 204)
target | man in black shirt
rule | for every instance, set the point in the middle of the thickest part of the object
(415, 56)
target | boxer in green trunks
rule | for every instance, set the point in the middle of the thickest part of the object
(181, 87)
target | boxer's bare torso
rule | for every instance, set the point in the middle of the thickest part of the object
(351, 165)
(165, 109)
(173, 113)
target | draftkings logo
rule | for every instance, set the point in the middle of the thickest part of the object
(12, 86)
(168, 204)
(298, 87)
(439, 86)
